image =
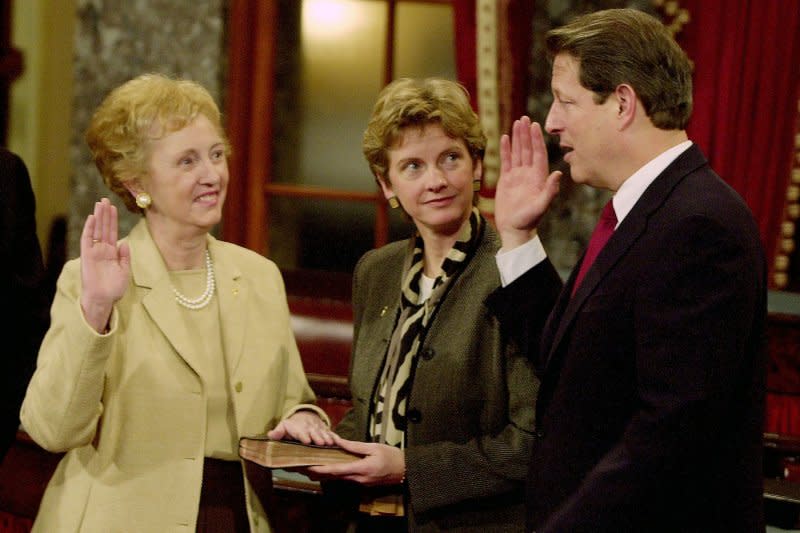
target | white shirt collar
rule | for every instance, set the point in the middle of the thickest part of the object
(633, 188)
(425, 287)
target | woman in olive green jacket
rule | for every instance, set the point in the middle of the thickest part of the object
(442, 394)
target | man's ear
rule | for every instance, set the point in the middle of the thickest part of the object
(627, 104)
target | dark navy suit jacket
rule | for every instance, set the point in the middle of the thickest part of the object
(650, 411)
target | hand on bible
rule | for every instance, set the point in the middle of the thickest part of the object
(304, 426)
(382, 464)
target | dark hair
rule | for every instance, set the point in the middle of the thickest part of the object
(617, 46)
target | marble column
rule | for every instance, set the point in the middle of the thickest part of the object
(116, 40)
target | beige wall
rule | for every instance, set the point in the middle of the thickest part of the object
(41, 102)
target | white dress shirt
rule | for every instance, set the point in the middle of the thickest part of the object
(513, 263)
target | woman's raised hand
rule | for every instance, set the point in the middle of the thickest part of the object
(105, 267)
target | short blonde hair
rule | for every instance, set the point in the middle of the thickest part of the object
(137, 112)
(407, 103)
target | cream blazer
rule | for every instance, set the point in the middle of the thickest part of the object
(129, 407)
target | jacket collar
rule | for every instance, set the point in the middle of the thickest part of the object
(488, 244)
(628, 232)
(149, 272)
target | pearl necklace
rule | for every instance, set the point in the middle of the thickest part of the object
(205, 298)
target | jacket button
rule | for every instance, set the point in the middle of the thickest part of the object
(428, 353)
(539, 434)
(238, 386)
(414, 416)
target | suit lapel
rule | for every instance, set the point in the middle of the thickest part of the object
(383, 334)
(233, 304)
(148, 271)
(381, 309)
(628, 232)
(612, 252)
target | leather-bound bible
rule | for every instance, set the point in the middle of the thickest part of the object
(289, 454)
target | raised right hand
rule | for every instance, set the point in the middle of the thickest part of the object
(524, 189)
(105, 267)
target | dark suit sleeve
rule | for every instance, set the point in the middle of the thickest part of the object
(697, 367)
(21, 290)
(524, 306)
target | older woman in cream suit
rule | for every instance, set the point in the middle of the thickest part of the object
(167, 346)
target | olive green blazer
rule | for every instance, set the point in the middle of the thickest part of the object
(471, 408)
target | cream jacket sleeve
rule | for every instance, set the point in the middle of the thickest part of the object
(63, 402)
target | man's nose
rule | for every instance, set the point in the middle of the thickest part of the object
(552, 123)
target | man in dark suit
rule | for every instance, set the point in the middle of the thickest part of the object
(21, 291)
(649, 415)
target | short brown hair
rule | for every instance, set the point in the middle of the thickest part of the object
(617, 46)
(415, 103)
(137, 112)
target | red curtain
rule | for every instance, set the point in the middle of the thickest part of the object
(251, 54)
(465, 27)
(746, 56)
(515, 34)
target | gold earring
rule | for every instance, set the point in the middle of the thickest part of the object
(143, 200)
(393, 203)
(476, 185)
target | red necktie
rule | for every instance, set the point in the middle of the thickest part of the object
(602, 232)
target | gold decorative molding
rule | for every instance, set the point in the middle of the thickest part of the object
(788, 227)
(488, 93)
(674, 16)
